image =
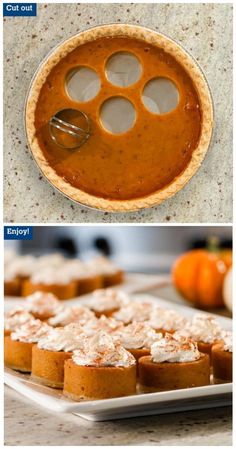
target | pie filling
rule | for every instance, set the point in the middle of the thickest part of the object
(129, 164)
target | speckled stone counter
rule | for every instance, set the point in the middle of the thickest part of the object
(203, 29)
(29, 425)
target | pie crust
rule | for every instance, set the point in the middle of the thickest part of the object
(48, 366)
(173, 375)
(150, 37)
(103, 382)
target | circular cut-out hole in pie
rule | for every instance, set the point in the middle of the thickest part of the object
(82, 84)
(160, 96)
(117, 115)
(123, 69)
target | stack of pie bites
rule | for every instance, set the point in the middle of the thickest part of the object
(114, 346)
(65, 278)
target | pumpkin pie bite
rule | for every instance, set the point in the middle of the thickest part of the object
(166, 320)
(52, 280)
(205, 330)
(134, 311)
(102, 369)
(103, 323)
(175, 362)
(18, 346)
(85, 278)
(16, 272)
(15, 318)
(55, 260)
(137, 338)
(75, 314)
(12, 284)
(43, 305)
(222, 359)
(107, 301)
(110, 273)
(51, 352)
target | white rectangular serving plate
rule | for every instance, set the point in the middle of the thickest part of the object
(128, 406)
(133, 283)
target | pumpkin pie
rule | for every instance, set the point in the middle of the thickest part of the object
(205, 330)
(222, 359)
(103, 323)
(134, 311)
(137, 338)
(16, 272)
(51, 352)
(166, 320)
(75, 314)
(18, 346)
(86, 280)
(15, 318)
(137, 168)
(175, 362)
(52, 280)
(101, 369)
(107, 301)
(107, 269)
(43, 305)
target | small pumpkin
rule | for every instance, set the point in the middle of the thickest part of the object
(228, 289)
(199, 275)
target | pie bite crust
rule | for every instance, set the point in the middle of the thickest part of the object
(48, 366)
(103, 382)
(153, 39)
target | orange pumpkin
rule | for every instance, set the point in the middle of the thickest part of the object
(198, 275)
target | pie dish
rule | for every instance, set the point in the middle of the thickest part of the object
(174, 363)
(130, 170)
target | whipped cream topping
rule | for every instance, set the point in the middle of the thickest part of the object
(16, 317)
(76, 314)
(102, 350)
(43, 304)
(137, 336)
(108, 299)
(227, 337)
(109, 325)
(9, 255)
(166, 319)
(22, 266)
(202, 328)
(76, 269)
(51, 275)
(174, 348)
(134, 311)
(102, 265)
(31, 332)
(50, 260)
(65, 339)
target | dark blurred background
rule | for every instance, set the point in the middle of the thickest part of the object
(142, 248)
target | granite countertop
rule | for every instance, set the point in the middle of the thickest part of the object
(27, 424)
(210, 427)
(205, 30)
